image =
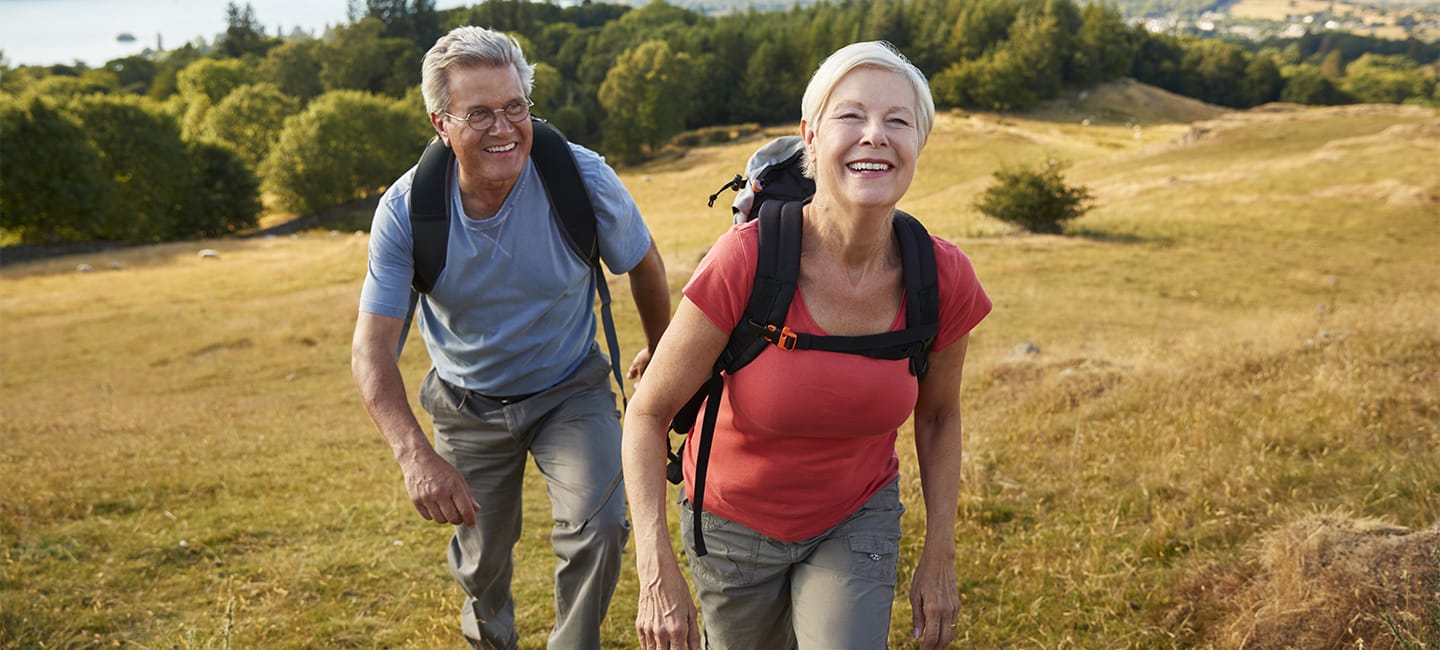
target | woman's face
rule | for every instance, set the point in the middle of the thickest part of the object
(866, 141)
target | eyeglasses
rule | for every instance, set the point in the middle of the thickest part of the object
(482, 119)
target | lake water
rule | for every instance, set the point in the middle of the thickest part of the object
(45, 32)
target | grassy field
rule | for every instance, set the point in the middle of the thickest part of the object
(1242, 335)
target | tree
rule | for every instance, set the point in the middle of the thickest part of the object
(1040, 47)
(361, 58)
(1210, 69)
(1037, 200)
(981, 25)
(1157, 61)
(646, 97)
(167, 71)
(773, 82)
(996, 81)
(1307, 84)
(344, 145)
(55, 188)
(133, 73)
(223, 195)
(213, 79)
(1262, 82)
(1392, 79)
(294, 68)
(142, 153)
(64, 88)
(1333, 67)
(1104, 45)
(249, 120)
(411, 20)
(243, 33)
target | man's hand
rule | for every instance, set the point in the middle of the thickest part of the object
(438, 491)
(638, 366)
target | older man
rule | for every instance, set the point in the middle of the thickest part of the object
(510, 328)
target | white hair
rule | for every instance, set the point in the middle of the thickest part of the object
(469, 46)
(866, 54)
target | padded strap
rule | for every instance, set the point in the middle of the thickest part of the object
(430, 213)
(561, 177)
(714, 388)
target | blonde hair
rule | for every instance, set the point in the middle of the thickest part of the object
(867, 54)
(469, 46)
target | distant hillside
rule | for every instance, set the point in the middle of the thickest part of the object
(1127, 101)
(1389, 19)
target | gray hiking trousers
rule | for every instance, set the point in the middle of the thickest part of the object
(572, 430)
(830, 592)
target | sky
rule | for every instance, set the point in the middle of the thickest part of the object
(46, 32)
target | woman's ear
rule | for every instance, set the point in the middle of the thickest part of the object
(807, 135)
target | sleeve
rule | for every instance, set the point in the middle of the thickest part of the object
(722, 282)
(390, 266)
(963, 302)
(624, 237)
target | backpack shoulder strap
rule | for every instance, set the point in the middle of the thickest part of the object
(560, 175)
(922, 286)
(777, 272)
(430, 213)
(429, 204)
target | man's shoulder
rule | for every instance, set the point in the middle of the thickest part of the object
(393, 209)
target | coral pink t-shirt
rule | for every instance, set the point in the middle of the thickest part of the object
(803, 438)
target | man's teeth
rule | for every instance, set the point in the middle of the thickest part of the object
(500, 149)
(868, 166)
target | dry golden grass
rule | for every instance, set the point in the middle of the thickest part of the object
(1321, 582)
(1243, 333)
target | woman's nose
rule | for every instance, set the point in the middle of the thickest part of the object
(875, 133)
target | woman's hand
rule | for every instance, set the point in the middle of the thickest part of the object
(934, 602)
(667, 619)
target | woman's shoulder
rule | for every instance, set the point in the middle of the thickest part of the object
(952, 266)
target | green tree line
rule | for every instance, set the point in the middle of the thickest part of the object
(183, 143)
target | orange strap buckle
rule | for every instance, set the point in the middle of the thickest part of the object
(783, 337)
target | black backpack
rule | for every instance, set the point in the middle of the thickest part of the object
(430, 220)
(770, 195)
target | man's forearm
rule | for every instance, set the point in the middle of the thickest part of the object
(651, 291)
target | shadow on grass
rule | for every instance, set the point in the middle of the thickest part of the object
(1107, 237)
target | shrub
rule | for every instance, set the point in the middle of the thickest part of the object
(345, 145)
(1037, 200)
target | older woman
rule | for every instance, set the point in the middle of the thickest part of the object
(802, 508)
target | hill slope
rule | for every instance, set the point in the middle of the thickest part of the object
(1242, 333)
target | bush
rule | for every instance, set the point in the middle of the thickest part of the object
(1037, 200)
(55, 188)
(345, 145)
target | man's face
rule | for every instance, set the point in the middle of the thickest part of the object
(497, 155)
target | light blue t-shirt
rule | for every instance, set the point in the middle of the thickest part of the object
(513, 310)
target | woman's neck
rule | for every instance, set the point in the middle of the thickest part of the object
(859, 241)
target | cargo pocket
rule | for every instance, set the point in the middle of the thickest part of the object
(874, 558)
(731, 548)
